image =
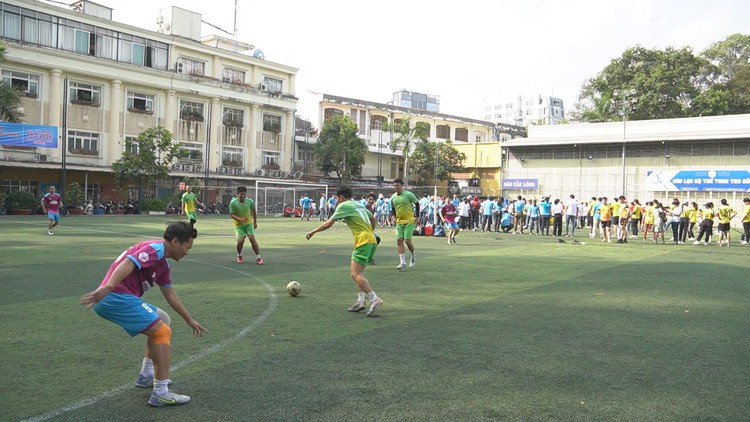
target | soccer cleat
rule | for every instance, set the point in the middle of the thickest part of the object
(744, 242)
(169, 399)
(450, 241)
(358, 306)
(374, 306)
(49, 232)
(239, 259)
(401, 266)
(697, 242)
(147, 381)
(259, 261)
(413, 261)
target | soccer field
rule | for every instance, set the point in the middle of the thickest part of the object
(497, 327)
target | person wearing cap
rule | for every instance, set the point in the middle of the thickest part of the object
(746, 222)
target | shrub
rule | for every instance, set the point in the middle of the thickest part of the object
(20, 200)
(154, 205)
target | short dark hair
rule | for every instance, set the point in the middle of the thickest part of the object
(241, 189)
(344, 192)
(180, 230)
(372, 195)
(398, 180)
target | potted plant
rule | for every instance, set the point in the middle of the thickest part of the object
(20, 203)
(74, 198)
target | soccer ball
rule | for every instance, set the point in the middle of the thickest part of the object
(293, 288)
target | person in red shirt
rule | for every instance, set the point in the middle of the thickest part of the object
(51, 203)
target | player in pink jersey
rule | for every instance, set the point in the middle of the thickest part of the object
(118, 299)
(448, 214)
(51, 203)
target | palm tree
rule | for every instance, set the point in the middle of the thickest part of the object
(10, 98)
(404, 135)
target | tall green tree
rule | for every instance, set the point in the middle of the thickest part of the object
(729, 54)
(594, 107)
(340, 149)
(147, 158)
(404, 136)
(10, 98)
(433, 161)
(731, 95)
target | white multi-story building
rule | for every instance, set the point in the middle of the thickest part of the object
(526, 110)
(101, 82)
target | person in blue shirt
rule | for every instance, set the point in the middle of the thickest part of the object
(545, 213)
(488, 207)
(305, 204)
(506, 220)
(332, 205)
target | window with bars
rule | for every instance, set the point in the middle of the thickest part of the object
(273, 85)
(271, 159)
(462, 134)
(86, 143)
(131, 145)
(233, 76)
(443, 131)
(378, 122)
(191, 110)
(272, 123)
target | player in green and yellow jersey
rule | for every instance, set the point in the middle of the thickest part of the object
(746, 222)
(188, 204)
(362, 224)
(242, 211)
(401, 203)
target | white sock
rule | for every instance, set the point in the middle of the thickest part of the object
(147, 368)
(413, 256)
(257, 256)
(402, 257)
(361, 297)
(372, 296)
(161, 387)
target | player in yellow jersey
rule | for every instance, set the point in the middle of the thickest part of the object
(242, 211)
(401, 203)
(189, 201)
(746, 222)
(707, 223)
(362, 224)
(725, 215)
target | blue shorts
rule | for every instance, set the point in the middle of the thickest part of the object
(129, 312)
(451, 225)
(53, 216)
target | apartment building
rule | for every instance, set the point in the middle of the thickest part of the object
(101, 82)
(525, 110)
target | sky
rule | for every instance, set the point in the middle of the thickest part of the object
(469, 53)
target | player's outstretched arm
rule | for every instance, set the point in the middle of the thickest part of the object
(176, 304)
(123, 269)
(325, 226)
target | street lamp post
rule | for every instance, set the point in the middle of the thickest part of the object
(625, 107)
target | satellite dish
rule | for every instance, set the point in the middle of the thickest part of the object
(258, 54)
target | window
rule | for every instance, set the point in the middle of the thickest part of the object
(24, 82)
(426, 127)
(83, 142)
(509, 105)
(85, 94)
(233, 117)
(271, 159)
(30, 186)
(305, 153)
(191, 110)
(191, 67)
(132, 49)
(140, 103)
(377, 122)
(231, 156)
(462, 134)
(234, 76)
(443, 131)
(498, 107)
(131, 145)
(479, 136)
(272, 123)
(11, 22)
(330, 112)
(273, 84)
(498, 116)
(192, 151)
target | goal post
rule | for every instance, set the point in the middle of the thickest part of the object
(273, 197)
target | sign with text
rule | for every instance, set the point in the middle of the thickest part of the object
(523, 184)
(23, 135)
(699, 180)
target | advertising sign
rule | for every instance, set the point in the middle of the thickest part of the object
(23, 135)
(523, 184)
(699, 180)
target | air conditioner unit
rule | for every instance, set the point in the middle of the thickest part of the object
(263, 87)
(238, 171)
(198, 169)
(187, 167)
(226, 80)
(176, 166)
(42, 158)
(267, 173)
(259, 172)
(221, 170)
(282, 174)
(179, 67)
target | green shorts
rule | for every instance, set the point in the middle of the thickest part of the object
(244, 230)
(364, 253)
(404, 230)
(191, 215)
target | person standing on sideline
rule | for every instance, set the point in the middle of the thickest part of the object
(557, 213)
(51, 203)
(188, 204)
(448, 214)
(242, 211)
(622, 229)
(401, 203)
(692, 219)
(707, 224)
(545, 210)
(745, 222)
(119, 299)
(305, 203)
(518, 208)
(488, 208)
(571, 215)
(636, 215)
(362, 224)
(605, 217)
(322, 208)
(725, 215)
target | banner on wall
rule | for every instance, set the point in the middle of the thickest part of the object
(522, 184)
(24, 135)
(699, 180)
